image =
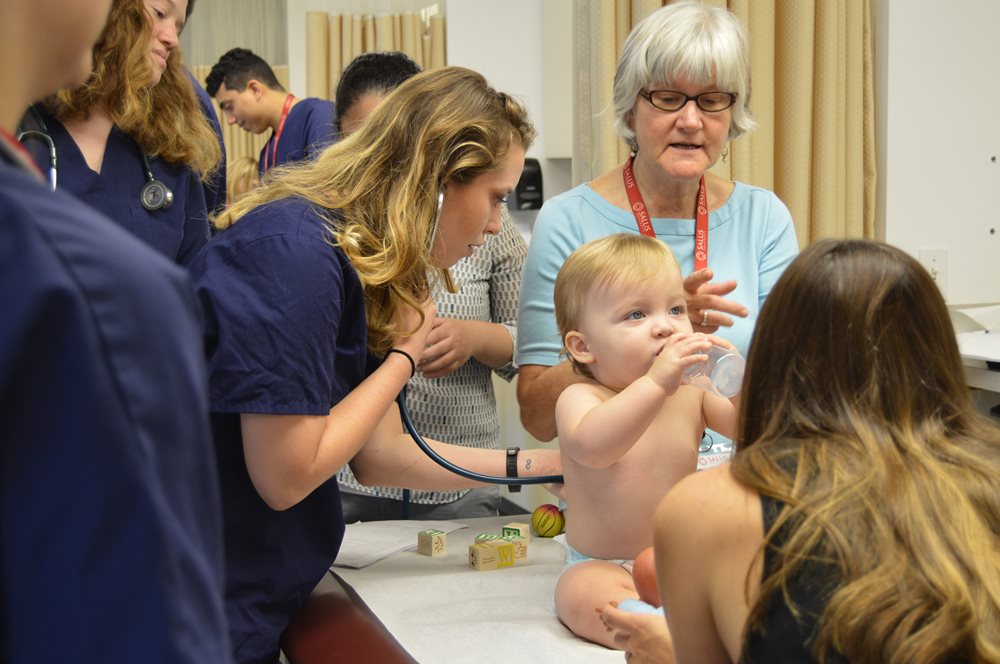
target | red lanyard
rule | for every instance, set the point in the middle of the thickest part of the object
(646, 226)
(18, 152)
(277, 134)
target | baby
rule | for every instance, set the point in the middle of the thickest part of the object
(627, 437)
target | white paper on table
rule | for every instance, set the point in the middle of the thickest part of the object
(369, 542)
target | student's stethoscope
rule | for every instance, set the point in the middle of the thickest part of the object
(155, 195)
(404, 415)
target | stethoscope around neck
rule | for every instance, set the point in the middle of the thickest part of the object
(154, 195)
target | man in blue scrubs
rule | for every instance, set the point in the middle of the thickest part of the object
(109, 498)
(250, 96)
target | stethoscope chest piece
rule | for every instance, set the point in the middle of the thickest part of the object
(156, 196)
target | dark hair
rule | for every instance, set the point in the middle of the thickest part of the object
(855, 415)
(236, 68)
(190, 8)
(379, 72)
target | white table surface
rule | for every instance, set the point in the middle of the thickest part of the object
(440, 610)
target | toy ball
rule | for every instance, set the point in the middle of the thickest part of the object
(547, 520)
(644, 577)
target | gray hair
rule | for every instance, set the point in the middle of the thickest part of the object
(686, 39)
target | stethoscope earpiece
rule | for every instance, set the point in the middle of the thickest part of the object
(44, 137)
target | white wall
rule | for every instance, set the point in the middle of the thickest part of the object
(504, 41)
(938, 130)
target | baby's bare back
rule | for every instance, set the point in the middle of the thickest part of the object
(610, 510)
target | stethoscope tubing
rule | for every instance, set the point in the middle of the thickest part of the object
(155, 195)
(404, 415)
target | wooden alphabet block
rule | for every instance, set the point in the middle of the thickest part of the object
(520, 548)
(517, 530)
(432, 543)
(482, 557)
(486, 537)
(504, 552)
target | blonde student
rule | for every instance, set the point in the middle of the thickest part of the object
(631, 431)
(317, 315)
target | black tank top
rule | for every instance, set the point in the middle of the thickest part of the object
(782, 638)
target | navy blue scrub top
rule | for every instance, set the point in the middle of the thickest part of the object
(215, 188)
(309, 128)
(177, 232)
(111, 520)
(285, 333)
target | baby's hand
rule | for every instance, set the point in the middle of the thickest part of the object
(725, 343)
(679, 352)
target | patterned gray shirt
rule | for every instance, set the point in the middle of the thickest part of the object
(461, 408)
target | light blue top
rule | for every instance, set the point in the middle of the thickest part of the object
(751, 239)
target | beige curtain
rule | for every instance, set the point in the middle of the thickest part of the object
(333, 40)
(601, 29)
(215, 26)
(240, 143)
(813, 95)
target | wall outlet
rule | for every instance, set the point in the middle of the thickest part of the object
(935, 261)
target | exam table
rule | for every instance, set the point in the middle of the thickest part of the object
(413, 608)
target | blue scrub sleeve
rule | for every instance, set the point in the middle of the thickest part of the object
(196, 227)
(274, 306)
(320, 128)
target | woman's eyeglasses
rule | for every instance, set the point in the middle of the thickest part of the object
(672, 100)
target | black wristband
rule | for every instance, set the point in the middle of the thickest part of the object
(413, 365)
(512, 468)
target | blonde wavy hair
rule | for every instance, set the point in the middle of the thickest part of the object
(379, 187)
(856, 417)
(166, 119)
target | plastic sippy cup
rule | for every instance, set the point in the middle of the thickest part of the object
(721, 374)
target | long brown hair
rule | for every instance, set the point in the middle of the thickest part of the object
(166, 119)
(856, 416)
(442, 126)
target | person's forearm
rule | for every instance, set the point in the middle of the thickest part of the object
(492, 344)
(289, 456)
(400, 463)
(538, 389)
(609, 430)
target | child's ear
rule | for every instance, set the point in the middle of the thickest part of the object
(576, 345)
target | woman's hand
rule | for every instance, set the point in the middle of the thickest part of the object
(707, 308)
(644, 637)
(409, 320)
(449, 346)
